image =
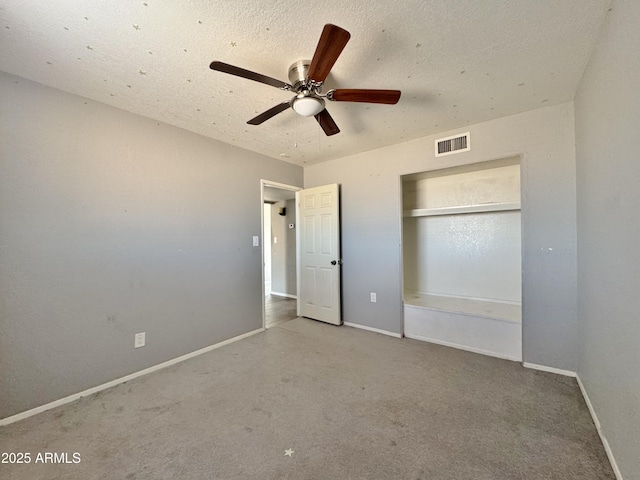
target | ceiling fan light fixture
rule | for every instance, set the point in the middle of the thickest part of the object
(308, 106)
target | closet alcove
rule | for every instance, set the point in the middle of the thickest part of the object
(462, 262)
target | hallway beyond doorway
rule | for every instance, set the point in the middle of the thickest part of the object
(278, 309)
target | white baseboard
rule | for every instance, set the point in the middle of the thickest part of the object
(286, 295)
(463, 347)
(543, 368)
(113, 383)
(371, 329)
(596, 422)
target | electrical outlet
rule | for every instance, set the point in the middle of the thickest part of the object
(373, 297)
(139, 340)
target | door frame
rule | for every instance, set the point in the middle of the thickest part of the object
(282, 186)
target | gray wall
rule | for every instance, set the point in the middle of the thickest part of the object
(371, 243)
(607, 110)
(112, 224)
(283, 253)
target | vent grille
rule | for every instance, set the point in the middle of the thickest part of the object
(454, 144)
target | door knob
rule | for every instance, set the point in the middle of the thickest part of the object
(336, 262)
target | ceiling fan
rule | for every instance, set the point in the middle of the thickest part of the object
(307, 78)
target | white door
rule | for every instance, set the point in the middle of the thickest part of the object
(266, 245)
(319, 252)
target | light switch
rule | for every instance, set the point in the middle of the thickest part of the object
(275, 239)
(256, 241)
(291, 225)
(139, 340)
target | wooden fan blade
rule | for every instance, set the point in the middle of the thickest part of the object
(390, 97)
(272, 112)
(332, 42)
(241, 72)
(326, 122)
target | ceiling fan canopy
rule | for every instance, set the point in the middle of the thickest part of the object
(307, 78)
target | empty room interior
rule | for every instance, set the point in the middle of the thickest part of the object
(362, 240)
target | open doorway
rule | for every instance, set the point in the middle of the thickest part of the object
(280, 291)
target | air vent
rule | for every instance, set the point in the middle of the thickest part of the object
(454, 144)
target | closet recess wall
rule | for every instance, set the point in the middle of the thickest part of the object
(462, 257)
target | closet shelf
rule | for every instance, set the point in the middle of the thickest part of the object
(462, 209)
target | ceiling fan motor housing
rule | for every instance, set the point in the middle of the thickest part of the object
(306, 103)
(298, 75)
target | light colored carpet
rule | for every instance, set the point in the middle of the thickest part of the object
(350, 404)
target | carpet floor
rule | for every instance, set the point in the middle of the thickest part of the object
(306, 400)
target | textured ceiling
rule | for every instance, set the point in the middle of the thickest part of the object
(457, 62)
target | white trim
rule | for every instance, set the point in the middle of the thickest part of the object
(462, 209)
(281, 186)
(262, 274)
(605, 443)
(113, 383)
(462, 297)
(286, 295)
(400, 199)
(463, 347)
(543, 368)
(298, 282)
(408, 304)
(371, 329)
